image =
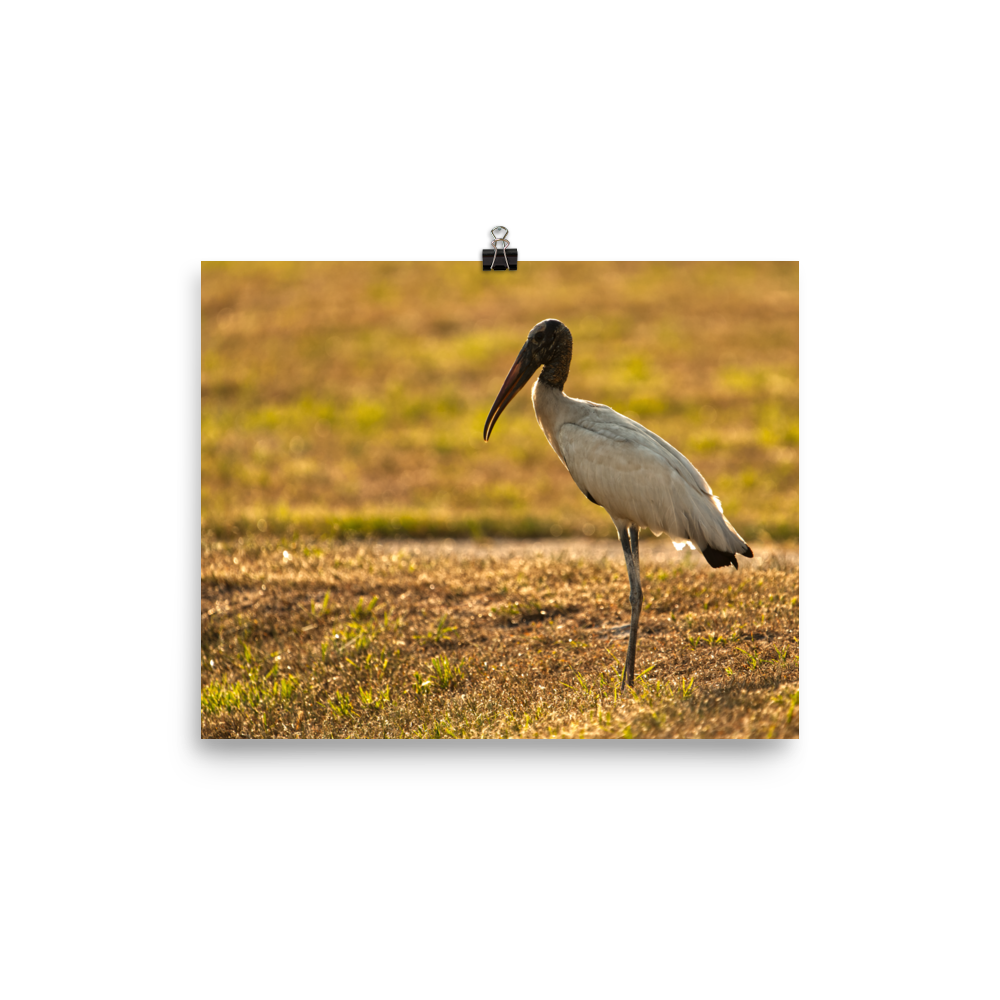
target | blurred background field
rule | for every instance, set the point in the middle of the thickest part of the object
(347, 399)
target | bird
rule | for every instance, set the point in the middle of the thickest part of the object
(636, 476)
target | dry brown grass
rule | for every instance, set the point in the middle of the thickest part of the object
(307, 639)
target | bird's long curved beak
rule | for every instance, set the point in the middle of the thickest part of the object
(518, 376)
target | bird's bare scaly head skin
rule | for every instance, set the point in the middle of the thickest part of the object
(553, 347)
(544, 340)
(549, 344)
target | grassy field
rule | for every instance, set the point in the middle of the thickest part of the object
(320, 639)
(345, 402)
(348, 399)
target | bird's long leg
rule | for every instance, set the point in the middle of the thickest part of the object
(630, 546)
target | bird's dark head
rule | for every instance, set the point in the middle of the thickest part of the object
(547, 340)
(550, 344)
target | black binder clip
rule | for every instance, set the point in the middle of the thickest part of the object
(492, 262)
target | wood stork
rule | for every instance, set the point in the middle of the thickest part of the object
(639, 479)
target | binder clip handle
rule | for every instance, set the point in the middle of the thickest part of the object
(500, 239)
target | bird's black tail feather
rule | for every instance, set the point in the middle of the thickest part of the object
(715, 558)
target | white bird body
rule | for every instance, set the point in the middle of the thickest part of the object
(636, 476)
(639, 479)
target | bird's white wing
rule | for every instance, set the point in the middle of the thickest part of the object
(635, 474)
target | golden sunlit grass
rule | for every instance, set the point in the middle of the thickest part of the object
(308, 639)
(349, 398)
